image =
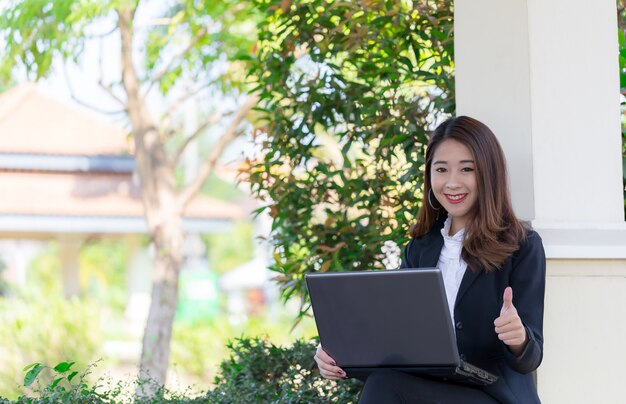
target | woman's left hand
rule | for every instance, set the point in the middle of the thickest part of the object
(509, 325)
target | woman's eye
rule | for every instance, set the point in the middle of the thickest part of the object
(440, 170)
(467, 169)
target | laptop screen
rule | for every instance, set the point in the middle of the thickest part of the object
(396, 318)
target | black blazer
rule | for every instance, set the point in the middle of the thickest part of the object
(478, 304)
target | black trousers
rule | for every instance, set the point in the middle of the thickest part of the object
(388, 386)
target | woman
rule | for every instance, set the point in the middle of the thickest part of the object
(493, 269)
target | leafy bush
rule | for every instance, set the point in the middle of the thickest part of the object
(349, 91)
(66, 385)
(257, 371)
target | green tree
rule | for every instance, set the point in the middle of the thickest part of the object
(187, 50)
(349, 91)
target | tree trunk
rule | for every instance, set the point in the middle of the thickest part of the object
(163, 212)
(167, 239)
(163, 208)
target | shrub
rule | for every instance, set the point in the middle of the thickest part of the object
(256, 371)
(259, 371)
(66, 385)
(349, 92)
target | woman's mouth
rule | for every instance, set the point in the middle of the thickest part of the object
(458, 198)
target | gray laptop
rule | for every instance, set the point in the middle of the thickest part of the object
(396, 319)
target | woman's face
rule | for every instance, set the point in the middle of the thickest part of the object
(453, 181)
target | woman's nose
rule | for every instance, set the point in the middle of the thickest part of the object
(452, 182)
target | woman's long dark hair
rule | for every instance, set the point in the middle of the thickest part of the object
(493, 233)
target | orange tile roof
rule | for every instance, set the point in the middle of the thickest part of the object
(30, 122)
(90, 195)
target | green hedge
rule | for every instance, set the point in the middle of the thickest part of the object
(256, 372)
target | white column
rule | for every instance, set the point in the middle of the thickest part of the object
(543, 75)
(69, 249)
(493, 83)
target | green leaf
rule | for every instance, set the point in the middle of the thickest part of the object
(32, 374)
(32, 365)
(55, 382)
(63, 366)
(72, 375)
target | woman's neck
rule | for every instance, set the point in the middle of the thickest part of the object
(455, 226)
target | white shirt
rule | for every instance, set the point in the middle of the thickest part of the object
(451, 264)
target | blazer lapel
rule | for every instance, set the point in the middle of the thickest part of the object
(468, 278)
(431, 251)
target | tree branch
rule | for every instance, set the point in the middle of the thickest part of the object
(175, 59)
(165, 121)
(82, 102)
(209, 163)
(108, 89)
(102, 35)
(202, 32)
(213, 119)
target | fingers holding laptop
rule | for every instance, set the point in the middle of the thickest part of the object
(327, 366)
(509, 326)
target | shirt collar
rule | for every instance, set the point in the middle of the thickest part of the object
(456, 238)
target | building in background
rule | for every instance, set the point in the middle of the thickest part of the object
(67, 175)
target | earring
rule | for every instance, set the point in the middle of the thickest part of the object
(431, 202)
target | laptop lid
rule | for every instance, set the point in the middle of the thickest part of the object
(396, 318)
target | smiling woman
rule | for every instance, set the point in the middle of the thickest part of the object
(454, 182)
(466, 227)
(466, 172)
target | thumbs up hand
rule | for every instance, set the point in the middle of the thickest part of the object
(509, 326)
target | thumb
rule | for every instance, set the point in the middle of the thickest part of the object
(507, 300)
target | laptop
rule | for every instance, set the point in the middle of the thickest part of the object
(396, 319)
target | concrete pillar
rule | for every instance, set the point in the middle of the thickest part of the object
(69, 248)
(543, 74)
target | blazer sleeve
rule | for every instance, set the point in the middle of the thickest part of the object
(528, 281)
(405, 263)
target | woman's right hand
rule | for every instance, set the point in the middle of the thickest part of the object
(327, 366)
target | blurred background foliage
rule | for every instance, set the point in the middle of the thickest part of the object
(228, 250)
(179, 53)
(40, 325)
(621, 21)
(47, 330)
(349, 92)
(103, 266)
(4, 286)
